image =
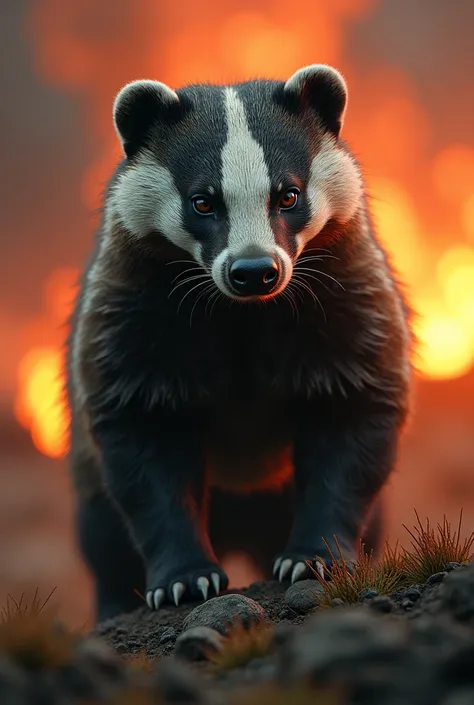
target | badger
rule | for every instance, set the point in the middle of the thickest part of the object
(239, 326)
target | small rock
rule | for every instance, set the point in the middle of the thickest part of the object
(437, 578)
(382, 603)
(367, 595)
(219, 612)
(344, 646)
(407, 604)
(196, 643)
(413, 594)
(453, 566)
(302, 597)
(457, 594)
(337, 602)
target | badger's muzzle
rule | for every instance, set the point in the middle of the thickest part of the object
(253, 276)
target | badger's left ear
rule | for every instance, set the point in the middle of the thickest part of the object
(137, 106)
(322, 88)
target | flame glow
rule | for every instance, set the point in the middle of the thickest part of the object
(386, 124)
(39, 405)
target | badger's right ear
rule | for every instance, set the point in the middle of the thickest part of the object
(323, 88)
(136, 107)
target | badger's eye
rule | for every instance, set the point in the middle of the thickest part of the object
(289, 199)
(202, 205)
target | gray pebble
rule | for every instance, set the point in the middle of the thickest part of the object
(436, 578)
(367, 594)
(302, 597)
(337, 602)
(382, 603)
(196, 643)
(453, 566)
(413, 594)
(220, 612)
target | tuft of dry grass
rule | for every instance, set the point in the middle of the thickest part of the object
(433, 548)
(296, 695)
(242, 644)
(31, 636)
(346, 582)
(18, 608)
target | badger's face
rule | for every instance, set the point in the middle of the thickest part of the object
(241, 177)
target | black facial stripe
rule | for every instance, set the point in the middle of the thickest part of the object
(191, 150)
(288, 152)
(285, 144)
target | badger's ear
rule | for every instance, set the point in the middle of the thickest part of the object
(137, 106)
(322, 88)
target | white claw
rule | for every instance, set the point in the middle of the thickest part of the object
(284, 568)
(203, 586)
(320, 569)
(158, 598)
(149, 599)
(276, 565)
(178, 592)
(216, 582)
(298, 570)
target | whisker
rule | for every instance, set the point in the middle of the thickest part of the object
(315, 258)
(306, 286)
(186, 281)
(311, 276)
(316, 249)
(325, 274)
(198, 298)
(183, 261)
(213, 299)
(189, 292)
(288, 295)
(189, 269)
(296, 290)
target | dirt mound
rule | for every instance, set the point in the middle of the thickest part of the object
(413, 647)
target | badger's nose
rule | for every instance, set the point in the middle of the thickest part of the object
(254, 276)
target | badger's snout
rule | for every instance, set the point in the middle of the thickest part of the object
(253, 276)
(252, 273)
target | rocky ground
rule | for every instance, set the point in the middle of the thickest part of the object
(413, 647)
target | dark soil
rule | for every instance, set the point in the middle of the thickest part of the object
(157, 632)
(414, 647)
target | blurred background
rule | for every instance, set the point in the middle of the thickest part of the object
(409, 67)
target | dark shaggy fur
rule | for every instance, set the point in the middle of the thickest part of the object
(166, 403)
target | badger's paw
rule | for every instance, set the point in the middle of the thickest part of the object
(185, 585)
(301, 566)
(293, 567)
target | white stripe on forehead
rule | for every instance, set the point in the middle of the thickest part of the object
(245, 181)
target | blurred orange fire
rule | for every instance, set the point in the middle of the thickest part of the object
(386, 123)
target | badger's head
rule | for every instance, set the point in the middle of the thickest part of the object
(241, 177)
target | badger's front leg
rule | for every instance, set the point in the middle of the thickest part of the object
(154, 470)
(340, 465)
